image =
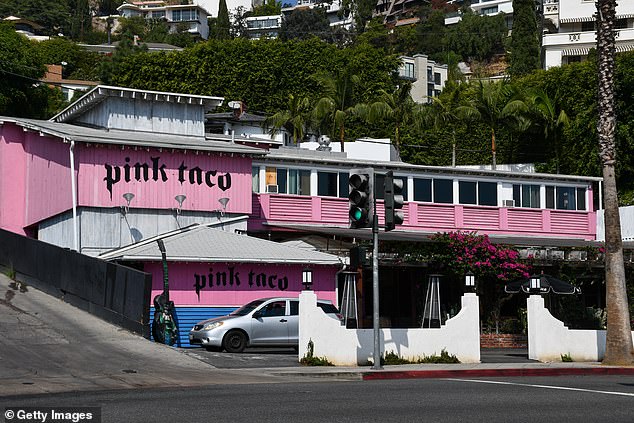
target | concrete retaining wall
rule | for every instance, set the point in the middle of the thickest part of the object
(549, 338)
(460, 336)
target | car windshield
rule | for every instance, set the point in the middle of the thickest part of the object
(247, 308)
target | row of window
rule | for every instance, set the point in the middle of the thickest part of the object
(266, 23)
(426, 190)
(185, 15)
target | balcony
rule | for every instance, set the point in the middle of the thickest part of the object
(270, 209)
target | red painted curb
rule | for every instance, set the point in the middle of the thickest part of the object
(429, 374)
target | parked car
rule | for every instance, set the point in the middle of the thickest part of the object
(267, 322)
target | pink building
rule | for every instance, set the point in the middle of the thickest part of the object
(120, 167)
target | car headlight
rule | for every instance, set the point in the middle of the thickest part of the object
(214, 325)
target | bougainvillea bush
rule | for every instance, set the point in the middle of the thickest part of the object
(462, 252)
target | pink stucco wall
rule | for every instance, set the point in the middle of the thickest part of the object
(182, 282)
(12, 178)
(106, 173)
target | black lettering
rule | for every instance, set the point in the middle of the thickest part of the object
(110, 178)
(234, 277)
(224, 181)
(181, 172)
(221, 278)
(195, 175)
(137, 171)
(199, 284)
(272, 281)
(126, 170)
(251, 274)
(156, 169)
(261, 280)
(208, 176)
(282, 283)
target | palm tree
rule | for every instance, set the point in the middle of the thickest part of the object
(491, 104)
(397, 107)
(552, 118)
(296, 119)
(337, 104)
(448, 110)
(618, 349)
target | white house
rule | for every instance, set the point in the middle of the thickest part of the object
(574, 23)
(194, 16)
(428, 77)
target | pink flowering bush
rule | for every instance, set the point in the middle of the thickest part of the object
(463, 252)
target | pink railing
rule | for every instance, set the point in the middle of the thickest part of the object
(272, 208)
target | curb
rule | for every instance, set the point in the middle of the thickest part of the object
(430, 374)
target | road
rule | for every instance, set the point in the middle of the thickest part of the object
(527, 399)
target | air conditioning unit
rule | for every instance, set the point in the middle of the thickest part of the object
(508, 203)
(271, 188)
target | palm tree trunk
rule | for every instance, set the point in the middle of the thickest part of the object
(618, 349)
(341, 137)
(493, 160)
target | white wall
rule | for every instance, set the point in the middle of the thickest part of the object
(211, 6)
(626, 215)
(548, 338)
(373, 149)
(351, 347)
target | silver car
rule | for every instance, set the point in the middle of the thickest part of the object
(267, 322)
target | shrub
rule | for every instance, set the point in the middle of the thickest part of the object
(310, 360)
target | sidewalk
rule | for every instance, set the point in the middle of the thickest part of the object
(48, 346)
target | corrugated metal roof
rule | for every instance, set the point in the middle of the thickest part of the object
(211, 142)
(200, 243)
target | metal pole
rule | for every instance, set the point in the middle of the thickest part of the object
(73, 187)
(375, 292)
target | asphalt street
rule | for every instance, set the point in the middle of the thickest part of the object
(545, 399)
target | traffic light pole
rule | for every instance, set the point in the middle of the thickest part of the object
(375, 292)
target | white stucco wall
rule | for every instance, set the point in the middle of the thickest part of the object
(351, 347)
(549, 338)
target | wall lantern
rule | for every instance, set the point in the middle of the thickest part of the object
(307, 279)
(535, 283)
(469, 281)
(128, 196)
(179, 199)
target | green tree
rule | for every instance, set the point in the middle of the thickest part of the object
(337, 105)
(20, 69)
(492, 103)
(477, 37)
(618, 350)
(52, 15)
(551, 118)
(524, 45)
(223, 25)
(295, 119)
(79, 63)
(394, 107)
(432, 32)
(306, 23)
(268, 8)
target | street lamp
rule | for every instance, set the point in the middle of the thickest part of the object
(535, 283)
(307, 279)
(469, 281)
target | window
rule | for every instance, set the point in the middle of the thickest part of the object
(489, 10)
(184, 15)
(255, 179)
(158, 14)
(327, 184)
(343, 184)
(487, 193)
(407, 70)
(526, 196)
(587, 26)
(282, 181)
(467, 192)
(581, 199)
(294, 308)
(565, 198)
(299, 182)
(436, 78)
(379, 186)
(422, 190)
(443, 191)
(274, 309)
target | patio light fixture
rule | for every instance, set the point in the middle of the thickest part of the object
(307, 279)
(469, 281)
(128, 196)
(535, 283)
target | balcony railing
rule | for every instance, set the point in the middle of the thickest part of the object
(427, 217)
(573, 38)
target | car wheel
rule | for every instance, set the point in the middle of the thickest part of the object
(235, 341)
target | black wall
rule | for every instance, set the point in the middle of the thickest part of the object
(115, 293)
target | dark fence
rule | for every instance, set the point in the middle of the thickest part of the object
(115, 293)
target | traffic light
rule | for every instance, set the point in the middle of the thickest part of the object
(393, 201)
(361, 196)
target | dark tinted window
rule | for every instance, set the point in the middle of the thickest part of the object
(247, 308)
(581, 198)
(422, 190)
(379, 180)
(566, 198)
(294, 307)
(281, 181)
(343, 185)
(487, 193)
(516, 195)
(550, 197)
(326, 184)
(443, 191)
(274, 309)
(466, 192)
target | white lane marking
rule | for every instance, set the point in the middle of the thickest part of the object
(561, 388)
